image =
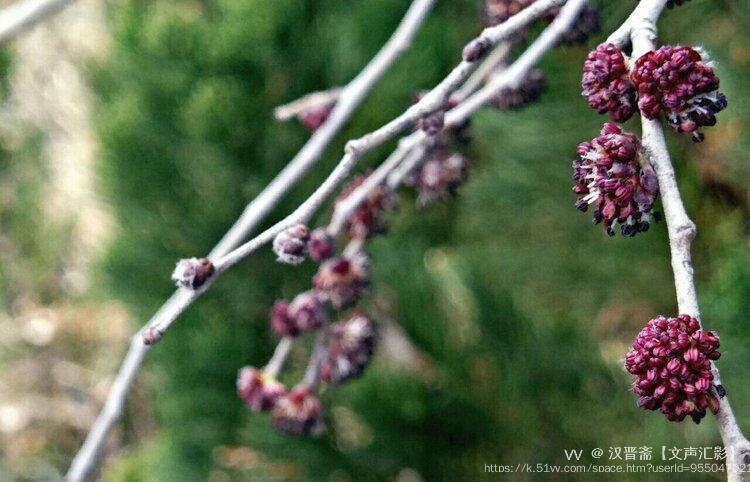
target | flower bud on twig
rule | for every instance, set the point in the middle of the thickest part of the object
(290, 245)
(257, 390)
(321, 246)
(299, 413)
(349, 350)
(341, 280)
(192, 272)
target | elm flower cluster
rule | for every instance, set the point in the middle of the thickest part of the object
(299, 413)
(258, 391)
(290, 245)
(341, 280)
(440, 176)
(606, 83)
(192, 272)
(528, 92)
(611, 176)
(368, 218)
(321, 245)
(306, 312)
(675, 80)
(671, 360)
(350, 348)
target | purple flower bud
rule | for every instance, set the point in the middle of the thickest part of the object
(281, 323)
(321, 245)
(307, 311)
(257, 390)
(439, 177)
(676, 80)
(290, 245)
(192, 272)
(367, 219)
(299, 413)
(606, 83)
(350, 347)
(341, 280)
(684, 387)
(611, 176)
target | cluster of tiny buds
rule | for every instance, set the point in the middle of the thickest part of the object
(671, 360)
(306, 312)
(674, 80)
(350, 347)
(341, 280)
(290, 245)
(368, 218)
(611, 176)
(527, 92)
(587, 23)
(296, 412)
(192, 272)
(439, 176)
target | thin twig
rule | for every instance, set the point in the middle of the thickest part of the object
(351, 96)
(24, 14)
(681, 231)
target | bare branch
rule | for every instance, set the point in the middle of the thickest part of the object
(349, 98)
(22, 15)
(681, 231)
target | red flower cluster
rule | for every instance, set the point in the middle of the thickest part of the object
(675, 80)
(257, 390)
(350, 346)
(290, 245)
(306, 312)
(440, 176)
(367, 219)
(671, 359)
(299, 413)
(341, 280)
(606, 83)
(610, 176)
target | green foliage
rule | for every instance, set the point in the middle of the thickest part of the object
(522, 307)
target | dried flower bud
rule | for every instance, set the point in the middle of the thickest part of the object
(611, 175)
(476, 49)
(671, 359)
(192, 272)
(367, 219)
(341, 280)
(314, 118)
(606, 83)
(350, 347)
(675, 80)
(290, 245)
(258, 391)
(307, 311)
(440, 176)
(299, 413)
(528, 92)
(321, 246)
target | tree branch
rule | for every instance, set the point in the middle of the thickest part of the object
(22, 15)
(681, 229)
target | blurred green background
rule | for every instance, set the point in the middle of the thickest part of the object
(519, 310)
